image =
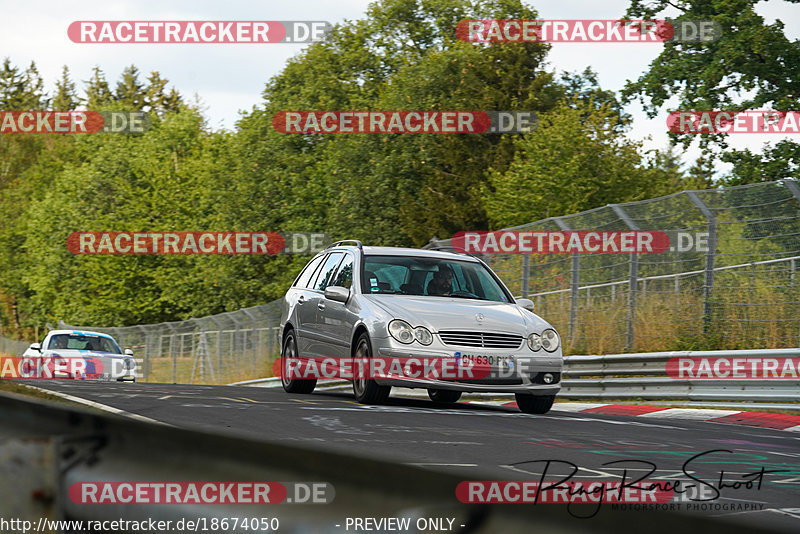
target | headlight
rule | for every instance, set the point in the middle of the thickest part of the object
(534, 342)
(550, 340)
(130, 363)
(423, 335)
(401, 331)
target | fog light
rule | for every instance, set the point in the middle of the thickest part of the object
(548, 378)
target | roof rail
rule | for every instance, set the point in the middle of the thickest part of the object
(357, 242)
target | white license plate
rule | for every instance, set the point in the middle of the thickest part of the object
(505, 362)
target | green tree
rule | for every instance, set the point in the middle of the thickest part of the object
(576, 160)
(130, 91)
(98, 92)
(753, 65)
(66, 98)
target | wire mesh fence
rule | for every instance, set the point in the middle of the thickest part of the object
(729, 279)
(12, 347)
(729, 282)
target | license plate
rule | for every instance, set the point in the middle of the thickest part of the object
(506, 362)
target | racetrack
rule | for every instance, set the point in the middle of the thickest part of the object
(496, 440)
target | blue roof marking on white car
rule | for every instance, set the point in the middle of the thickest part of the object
(79, 333)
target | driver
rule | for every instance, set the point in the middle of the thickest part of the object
(441, 283)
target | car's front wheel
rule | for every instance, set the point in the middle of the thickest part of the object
(366, 390)
(444, 396)
(289, 354)
(537, 404)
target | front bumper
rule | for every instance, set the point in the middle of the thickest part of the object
(525, 376)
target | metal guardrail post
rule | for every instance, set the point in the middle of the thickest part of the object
(708, 285)
(574, 284)
(633, 280)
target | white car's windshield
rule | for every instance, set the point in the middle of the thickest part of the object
(403, 275)
(83, 342)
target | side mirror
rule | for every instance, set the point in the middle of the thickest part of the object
(337, 293)
(128, 352)
(526, 303)
(36, 347)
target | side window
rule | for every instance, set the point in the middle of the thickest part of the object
(305, 276)
(344, 276)
(327, 269)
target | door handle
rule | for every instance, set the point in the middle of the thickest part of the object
(321, 306)
(301, 299)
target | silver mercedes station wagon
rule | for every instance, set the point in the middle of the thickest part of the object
(415, 318)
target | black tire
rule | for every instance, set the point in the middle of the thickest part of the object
(538, 404)
(444, 396)
(293, 385)
(366, 390)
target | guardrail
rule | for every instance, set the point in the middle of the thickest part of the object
(45, 448)
(644, 376)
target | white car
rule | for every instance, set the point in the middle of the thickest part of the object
(79, 355)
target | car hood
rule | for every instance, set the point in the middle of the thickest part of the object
(446, 313)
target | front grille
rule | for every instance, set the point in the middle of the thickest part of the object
(488, 340)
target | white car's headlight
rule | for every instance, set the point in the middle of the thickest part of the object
(130, 363)
(534, 342)
(401, 331)
(423, 335)
(550, 340)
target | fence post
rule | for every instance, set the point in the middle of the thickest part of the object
(173, 353)
(253, 340)
(633, 280)
(219, 346)
(711, 254)
(574, 284)
(791, 185)
(526, 270)
(146, 362)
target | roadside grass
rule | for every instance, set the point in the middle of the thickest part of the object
(185, 370)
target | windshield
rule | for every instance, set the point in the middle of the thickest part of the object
(402, 275)
(83, 342)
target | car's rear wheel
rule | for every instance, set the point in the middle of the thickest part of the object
(444, 396)
(288, 354)
(366, 390)
(537, 404)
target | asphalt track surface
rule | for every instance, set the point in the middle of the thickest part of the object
(496, 440)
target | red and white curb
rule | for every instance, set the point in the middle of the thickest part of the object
(777, 421)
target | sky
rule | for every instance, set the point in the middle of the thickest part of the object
(228, 78)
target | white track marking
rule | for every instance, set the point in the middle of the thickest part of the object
(99, 406)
